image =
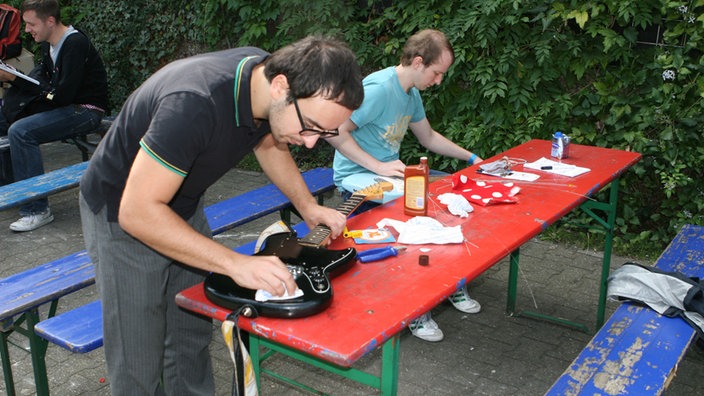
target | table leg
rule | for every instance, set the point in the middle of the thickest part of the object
(6, 365)
(254, 355)
(512, 282)
(389, 366)
(387, 383)
(608, 225)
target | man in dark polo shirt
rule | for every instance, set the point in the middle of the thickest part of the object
(141, 196)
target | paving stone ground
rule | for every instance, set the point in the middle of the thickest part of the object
(488, 353)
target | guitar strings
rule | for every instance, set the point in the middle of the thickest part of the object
(444, 211)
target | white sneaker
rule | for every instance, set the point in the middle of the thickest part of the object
(32, 222)
(426, 329)
(463, 302)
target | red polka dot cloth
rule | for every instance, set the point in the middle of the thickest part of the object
(484, 193)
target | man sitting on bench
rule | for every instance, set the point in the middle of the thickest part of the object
(70, 100)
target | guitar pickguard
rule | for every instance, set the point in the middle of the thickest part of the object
(317, 266)
(311, 265)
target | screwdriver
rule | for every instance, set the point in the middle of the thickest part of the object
(370, 255)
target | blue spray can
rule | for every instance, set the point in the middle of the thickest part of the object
(560, 145)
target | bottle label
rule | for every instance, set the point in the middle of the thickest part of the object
(560, 147)
(556, 148)
(415, 192)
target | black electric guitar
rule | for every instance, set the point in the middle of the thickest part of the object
(311, 265)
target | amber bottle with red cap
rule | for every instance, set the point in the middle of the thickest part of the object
(415, 189)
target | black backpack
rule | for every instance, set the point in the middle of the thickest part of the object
(10, 41)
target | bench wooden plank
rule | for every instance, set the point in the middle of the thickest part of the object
(638, 350)
(18, 193)
(45, 283)
(79, 330)
(265, 200)
(49, 281)
(86, 147)
(77, 333)
(41, 186)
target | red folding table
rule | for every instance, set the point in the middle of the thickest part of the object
(374, 302)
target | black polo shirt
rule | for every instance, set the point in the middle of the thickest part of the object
(194, 116)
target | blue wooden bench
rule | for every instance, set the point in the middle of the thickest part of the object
(637, 350)
(20, 310)
(21, 192)
(264, 200)
(22, 296)
(58, 184)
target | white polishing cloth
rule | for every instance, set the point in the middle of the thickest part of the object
(456, 204)
(422, 230)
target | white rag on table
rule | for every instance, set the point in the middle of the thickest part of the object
(456, 204)
(423, 230)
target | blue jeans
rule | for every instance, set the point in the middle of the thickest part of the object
(28, 133)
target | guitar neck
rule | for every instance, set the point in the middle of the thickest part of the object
(321, 232)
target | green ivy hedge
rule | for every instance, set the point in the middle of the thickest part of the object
(626, 74)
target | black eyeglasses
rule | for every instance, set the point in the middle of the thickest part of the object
(305, 131)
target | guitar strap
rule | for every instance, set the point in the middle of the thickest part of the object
(244, 382)
(275, 228)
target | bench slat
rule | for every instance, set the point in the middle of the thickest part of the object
(635, 353)
(79, 330)
(45, 283)
(637, 350)
(265, 200)
(41, 186)
(39, 285)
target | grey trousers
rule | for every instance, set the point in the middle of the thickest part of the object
(152, 347)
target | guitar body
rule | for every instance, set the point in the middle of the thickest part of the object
(311, 265)
(312, 268)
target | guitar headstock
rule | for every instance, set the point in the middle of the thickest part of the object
(375, 191)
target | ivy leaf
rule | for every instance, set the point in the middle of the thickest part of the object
(581, 17)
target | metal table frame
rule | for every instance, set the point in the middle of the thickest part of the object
(589, 207)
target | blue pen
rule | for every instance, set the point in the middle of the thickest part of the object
(370, 255)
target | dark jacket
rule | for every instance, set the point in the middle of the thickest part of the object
(78, 77)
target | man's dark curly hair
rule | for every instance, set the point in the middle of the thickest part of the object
(319, 65)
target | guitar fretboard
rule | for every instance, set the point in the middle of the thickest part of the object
(318, 234)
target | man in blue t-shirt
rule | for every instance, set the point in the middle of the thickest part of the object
(371, 139)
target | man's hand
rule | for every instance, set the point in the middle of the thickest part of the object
(323, 215)
(394, 168)
(263, 272)
(6, 77)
